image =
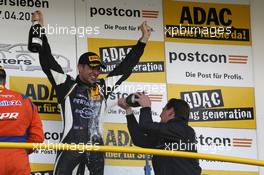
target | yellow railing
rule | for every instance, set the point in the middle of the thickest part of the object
(119, 149)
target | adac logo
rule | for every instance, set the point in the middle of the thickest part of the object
(208, 105)
(195, 20)
(200, 57)
(121, 12)
(18, 57)
(112, 56)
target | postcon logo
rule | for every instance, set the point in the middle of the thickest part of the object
(208, 105)
(120, 12)
(238, 142)
(199, 57)
(112, 56)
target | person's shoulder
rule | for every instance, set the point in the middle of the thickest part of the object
(16, 94)
(191, 129)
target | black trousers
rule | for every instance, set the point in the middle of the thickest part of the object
(67, 161)
(70, 159)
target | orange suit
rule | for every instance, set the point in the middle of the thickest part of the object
(19, 122)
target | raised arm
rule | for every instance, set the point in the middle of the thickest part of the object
(126, 66)
(124, 69)
(46, 59)
(59, 80)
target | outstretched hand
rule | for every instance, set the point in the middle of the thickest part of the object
(146, 32)
(37, 16)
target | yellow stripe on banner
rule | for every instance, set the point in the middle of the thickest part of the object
(136, 163)
(41, 167)
(218, 172)
(120, 149)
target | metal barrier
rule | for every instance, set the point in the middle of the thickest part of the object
(119, 149)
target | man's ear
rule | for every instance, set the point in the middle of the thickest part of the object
(80, 66)
(171, 112)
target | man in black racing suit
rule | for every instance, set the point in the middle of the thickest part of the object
(83, 100)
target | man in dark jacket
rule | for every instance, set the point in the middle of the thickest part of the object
(171, 133)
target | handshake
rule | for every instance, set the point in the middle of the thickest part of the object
(135, 100)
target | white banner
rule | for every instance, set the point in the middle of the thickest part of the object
(121, 20)
(227, 142)
(203, 64)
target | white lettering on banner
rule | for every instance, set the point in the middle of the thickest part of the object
(203, 99)
(221, 114)
(9, 116)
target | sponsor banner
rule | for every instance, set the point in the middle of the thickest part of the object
(42, 94)
(217, 106)
(150, 68)
(117, 135)
(228, 142)
(200, 22)
(204, 64)
(157, 93)
(121, 20)
(15, 24)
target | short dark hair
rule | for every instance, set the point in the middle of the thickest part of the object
(181, 108)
